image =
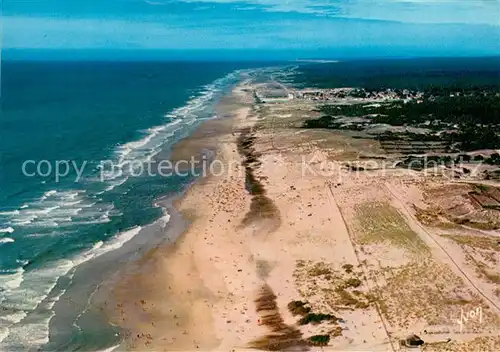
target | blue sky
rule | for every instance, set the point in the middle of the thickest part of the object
(432, 27)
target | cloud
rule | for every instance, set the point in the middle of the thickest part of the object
(254, 24)
(254, 33)
(410, 11)
(416, 11)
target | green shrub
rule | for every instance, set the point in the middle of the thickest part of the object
(483, 188)
(348, 268)
(298, 308)
(319, 340)
(316, 318)
(353, 282)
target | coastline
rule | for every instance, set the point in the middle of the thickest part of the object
(87, 303)
(66, 237)
(178, 310)
(79, 318)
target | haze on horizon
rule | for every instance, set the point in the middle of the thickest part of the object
(316, 28)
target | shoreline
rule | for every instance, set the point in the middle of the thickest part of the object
(100, 274)
(87, 303)
(212, 135)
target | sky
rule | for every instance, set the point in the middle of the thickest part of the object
(317, 27)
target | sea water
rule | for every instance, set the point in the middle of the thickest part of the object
(84, 113)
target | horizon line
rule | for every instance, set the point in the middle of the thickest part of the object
(282, 55)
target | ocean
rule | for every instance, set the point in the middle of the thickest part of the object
(69, 117)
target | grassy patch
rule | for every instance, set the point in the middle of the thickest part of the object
(482, 343)
(353, 282)
(482, 188)
(335, 332)
(320, 269)
(481, 242)
(314, 318)
(483, 246)
(488, 273)
(480, 225)
(434, 219)
(426, 291)
(319, 340)
(335, 289)
(348, 299)
(298, 308)
(381, 223)
(348, 268)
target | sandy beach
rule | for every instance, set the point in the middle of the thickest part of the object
(274, 233)
(200, 291)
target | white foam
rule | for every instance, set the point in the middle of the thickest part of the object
(44, 223)
(32, 333)
(39, 283)
(23, 221)
(119, 240)
(48, 194)
(69, 195)
(62, 267)
(61, 220)
(66, 211)
(90, 205)
(43, 282)
(12, 280)
(27, 290)
(110, 349)
(98, 245)
(57, 207)
(95, 215)
(53, 300)
(7, 230)
(113, 185)
(26, 295)
(6, 240)
(89, 214)
(163, 221)
(70, 204)
(42, 211)
(14, 317)
(99, 248)
(144, 149)
(48, 210)
(47, 234)
(4, 332)
(9, 213)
